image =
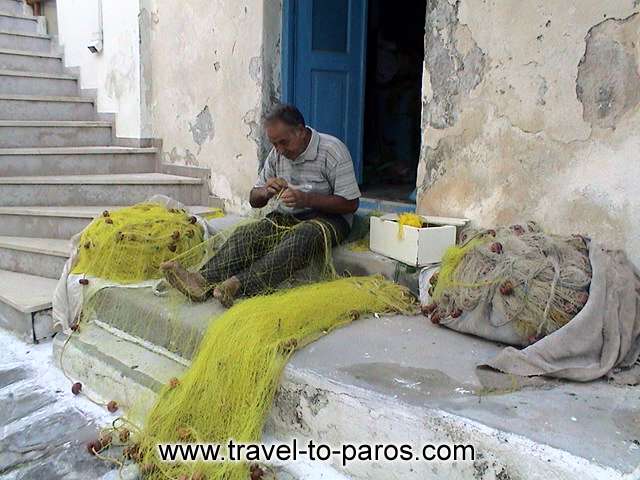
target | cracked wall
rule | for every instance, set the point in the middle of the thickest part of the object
(208, 72)
(530, 111)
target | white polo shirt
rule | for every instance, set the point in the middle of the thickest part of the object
(325, 167)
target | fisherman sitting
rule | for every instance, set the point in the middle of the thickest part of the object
(312, 176)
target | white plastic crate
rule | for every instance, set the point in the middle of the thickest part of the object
(418, 246)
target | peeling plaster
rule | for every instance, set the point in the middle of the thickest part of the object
(255, 134)
(202, 129)
(174, 156)
(456, 58)
(210, 53)
(255, 69)
(608, 82)
(550, 131)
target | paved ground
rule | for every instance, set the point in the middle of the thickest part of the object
(43, 426)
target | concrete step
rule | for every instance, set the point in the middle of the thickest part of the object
(188, 322)
(12, 7)
(55, 222)
(98, 359)
(40, 107)
(401, 380)
(76, 161)
(18, 23)
(43, 257)
(63, 133)
(26, 41)
(39, 62)
(30, 83)
(120, 189)
(25, 304)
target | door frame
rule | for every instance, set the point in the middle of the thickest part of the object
(287, 51)
(287, 74)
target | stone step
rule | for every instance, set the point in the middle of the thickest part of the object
(31, 83)
(18, 23)
(43, 257)
(76, 160)
(61, 133)
(25, 304)
(119, 189)
(41, 107)
(188, 322)
(26, 41)
(401, 380)
(26, 61)
(12, 7)
(55, 222)
(97, 358)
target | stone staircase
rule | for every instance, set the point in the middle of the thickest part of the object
(61, 164)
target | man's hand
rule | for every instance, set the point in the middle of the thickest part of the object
(294, 198)
(260, 196)
(275, 185)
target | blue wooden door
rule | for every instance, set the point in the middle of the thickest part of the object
(324, 65)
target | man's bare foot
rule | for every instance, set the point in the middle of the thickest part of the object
(227, 291)
(191, 284)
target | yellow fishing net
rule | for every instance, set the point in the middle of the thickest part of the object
(410, 219)
(230, 386)
(238, 354)
(128, 245)
(536, 280)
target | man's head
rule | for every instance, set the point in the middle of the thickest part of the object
(284, 125)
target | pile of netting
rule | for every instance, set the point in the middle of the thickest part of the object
(409, 219)
(229, 388)
(129, 245)
(535, 280)
(238, 354)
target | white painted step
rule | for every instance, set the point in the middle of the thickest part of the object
(26, 293)
(46, 98)
(46, 107)
(35, 256)
(76, 160)
(30, 61)
(25, 304)
(18, 23)
(124, 179)
(12, 7)
(20, 73)
(32, 83)
(56, 222)
(121, 189)
(29, 133)
(26, 41)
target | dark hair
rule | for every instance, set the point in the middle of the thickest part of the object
(285, 113)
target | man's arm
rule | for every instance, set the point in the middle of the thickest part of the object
(267, 184)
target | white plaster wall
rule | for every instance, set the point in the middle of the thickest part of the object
(506, 137)
(207, 75)
(115, 73)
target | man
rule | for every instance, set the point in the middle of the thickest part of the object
(312, 176)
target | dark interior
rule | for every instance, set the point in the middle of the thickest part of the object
(395, 53)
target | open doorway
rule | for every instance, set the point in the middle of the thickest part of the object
(395, 54)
